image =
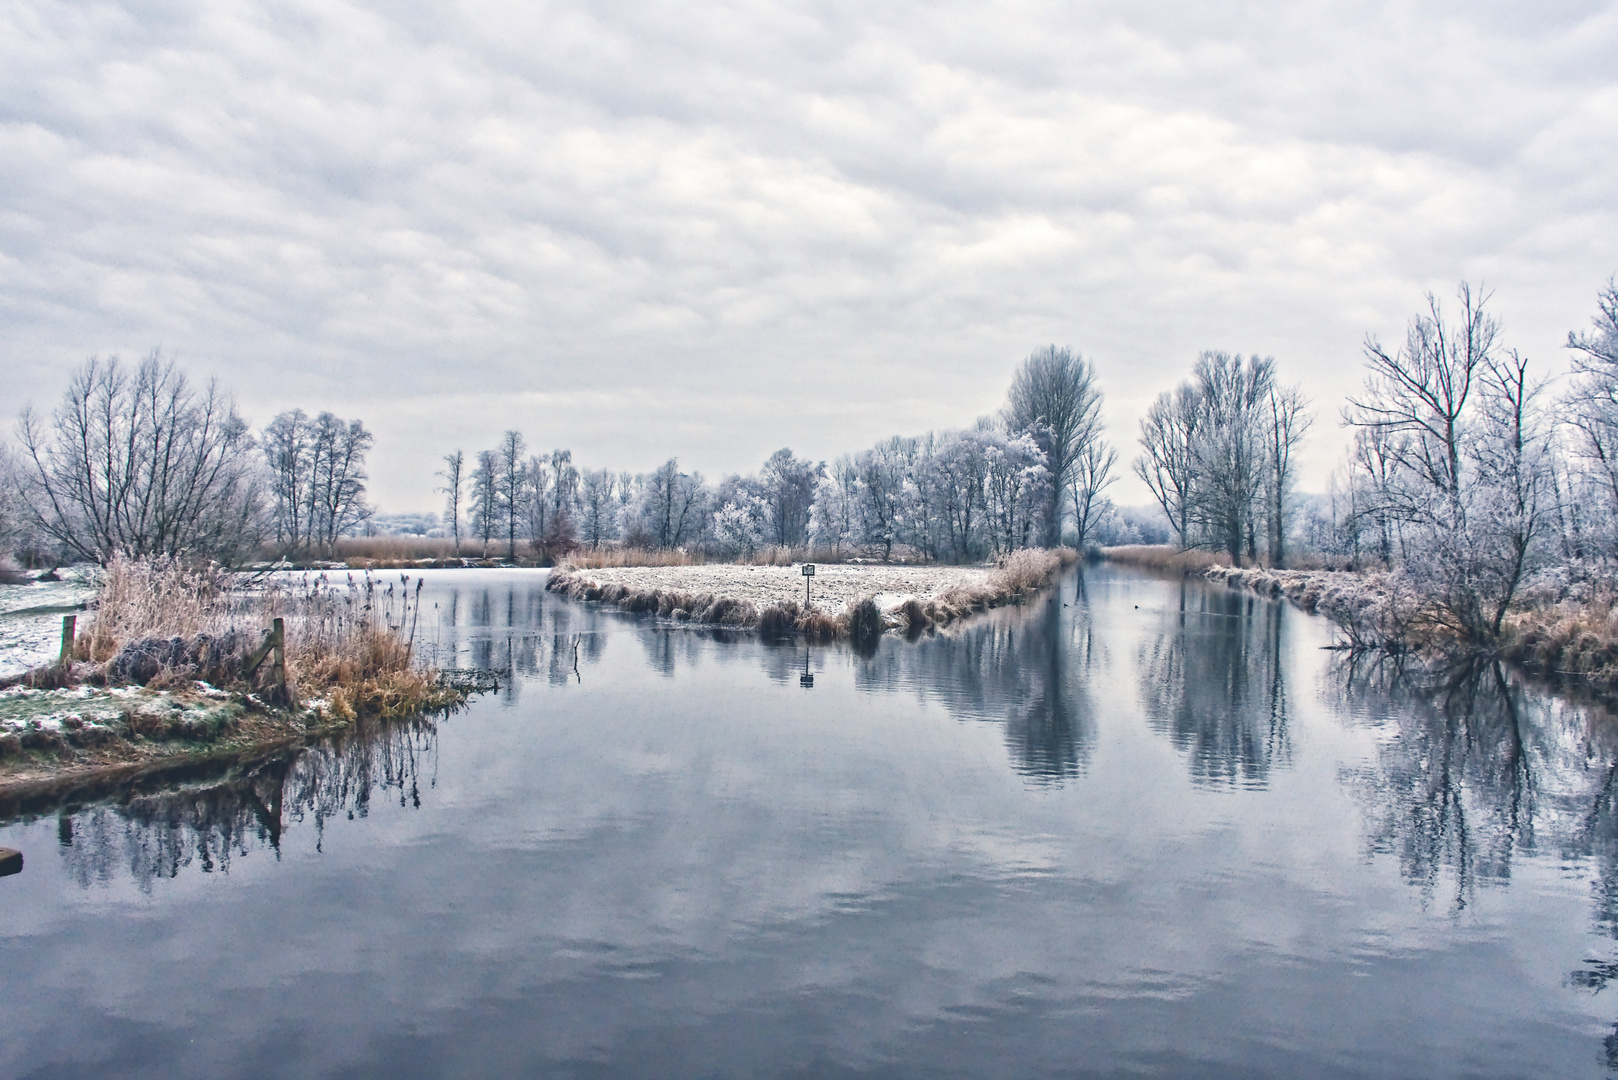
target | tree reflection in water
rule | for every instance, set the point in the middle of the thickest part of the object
(1479, 770)
(1213, 682)
(1029, 669)
(157, 834)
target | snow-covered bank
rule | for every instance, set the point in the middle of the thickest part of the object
(771, 598)
(1554, 633)
(31, 620)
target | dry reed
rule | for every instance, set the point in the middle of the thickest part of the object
(1564, 638)
(1166, 558)
(349, 642)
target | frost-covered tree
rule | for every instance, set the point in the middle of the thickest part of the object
(596, 507)
(739, 526)
(140, 462)
(454, 476)
(1017, 488)
(1592, 414)
(832, 518)
(1054, 398)
(1465, 460)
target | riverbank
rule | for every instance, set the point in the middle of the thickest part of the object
(51, 737)
(858, 601)
(174, 662)
(1557, 632)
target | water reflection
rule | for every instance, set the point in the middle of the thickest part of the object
(1029, 669)
(1212, 681)
(1479, 771)
(988, 851)
(154, 835)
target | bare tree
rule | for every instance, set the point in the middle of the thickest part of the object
(1421, 392)
(141, 463)
(511, 486)
(1289, 422)
(453, 474)
(1168, 439)
(1054, 398)
(674, 505)
(318, 478)
(789, 489)
(485, 498)
(1229, 450)
(1091, 476)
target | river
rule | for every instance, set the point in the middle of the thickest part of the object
(1138, 827)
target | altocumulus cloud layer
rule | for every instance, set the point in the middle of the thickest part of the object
(644, 230)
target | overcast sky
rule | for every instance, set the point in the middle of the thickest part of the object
(713, 230)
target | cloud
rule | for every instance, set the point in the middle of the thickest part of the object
(653, 230)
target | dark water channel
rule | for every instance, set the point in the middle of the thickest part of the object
(1138, 828)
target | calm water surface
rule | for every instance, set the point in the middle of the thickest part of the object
(1137, 828)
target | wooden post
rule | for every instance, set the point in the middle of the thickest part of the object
(69, 627)
(278, 639)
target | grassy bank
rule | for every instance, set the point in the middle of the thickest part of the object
(728, 601)
(163, 666)
(1553, 633)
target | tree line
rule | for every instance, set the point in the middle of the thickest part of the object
(139, 461)
(1012, 480)
(1470, 473)
(1465, 469)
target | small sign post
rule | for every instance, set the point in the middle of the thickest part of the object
(808, 572)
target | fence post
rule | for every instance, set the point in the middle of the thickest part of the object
(69, 627)
(279, 638)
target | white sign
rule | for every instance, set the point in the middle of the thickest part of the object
(808, 569)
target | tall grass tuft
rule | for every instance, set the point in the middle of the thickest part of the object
(1166, 558)
(350, 641)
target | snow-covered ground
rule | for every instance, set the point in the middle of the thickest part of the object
(31, 620)
(832, 587)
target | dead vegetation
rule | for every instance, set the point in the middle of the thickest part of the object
(1557, 633)
(1166, 558)
(1016, 576)
(185, 634)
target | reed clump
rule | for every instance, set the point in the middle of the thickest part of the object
(1574, 637)
(164, 623)
(1166, 558)
(1547, 634)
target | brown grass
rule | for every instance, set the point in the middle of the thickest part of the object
(1384, 610)
(1018, 575)
(612, 558)
(1166, 558)
(1569, 639)
(348, 641)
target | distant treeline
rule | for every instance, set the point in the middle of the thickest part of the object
(1465, 471)
(1010, 481)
